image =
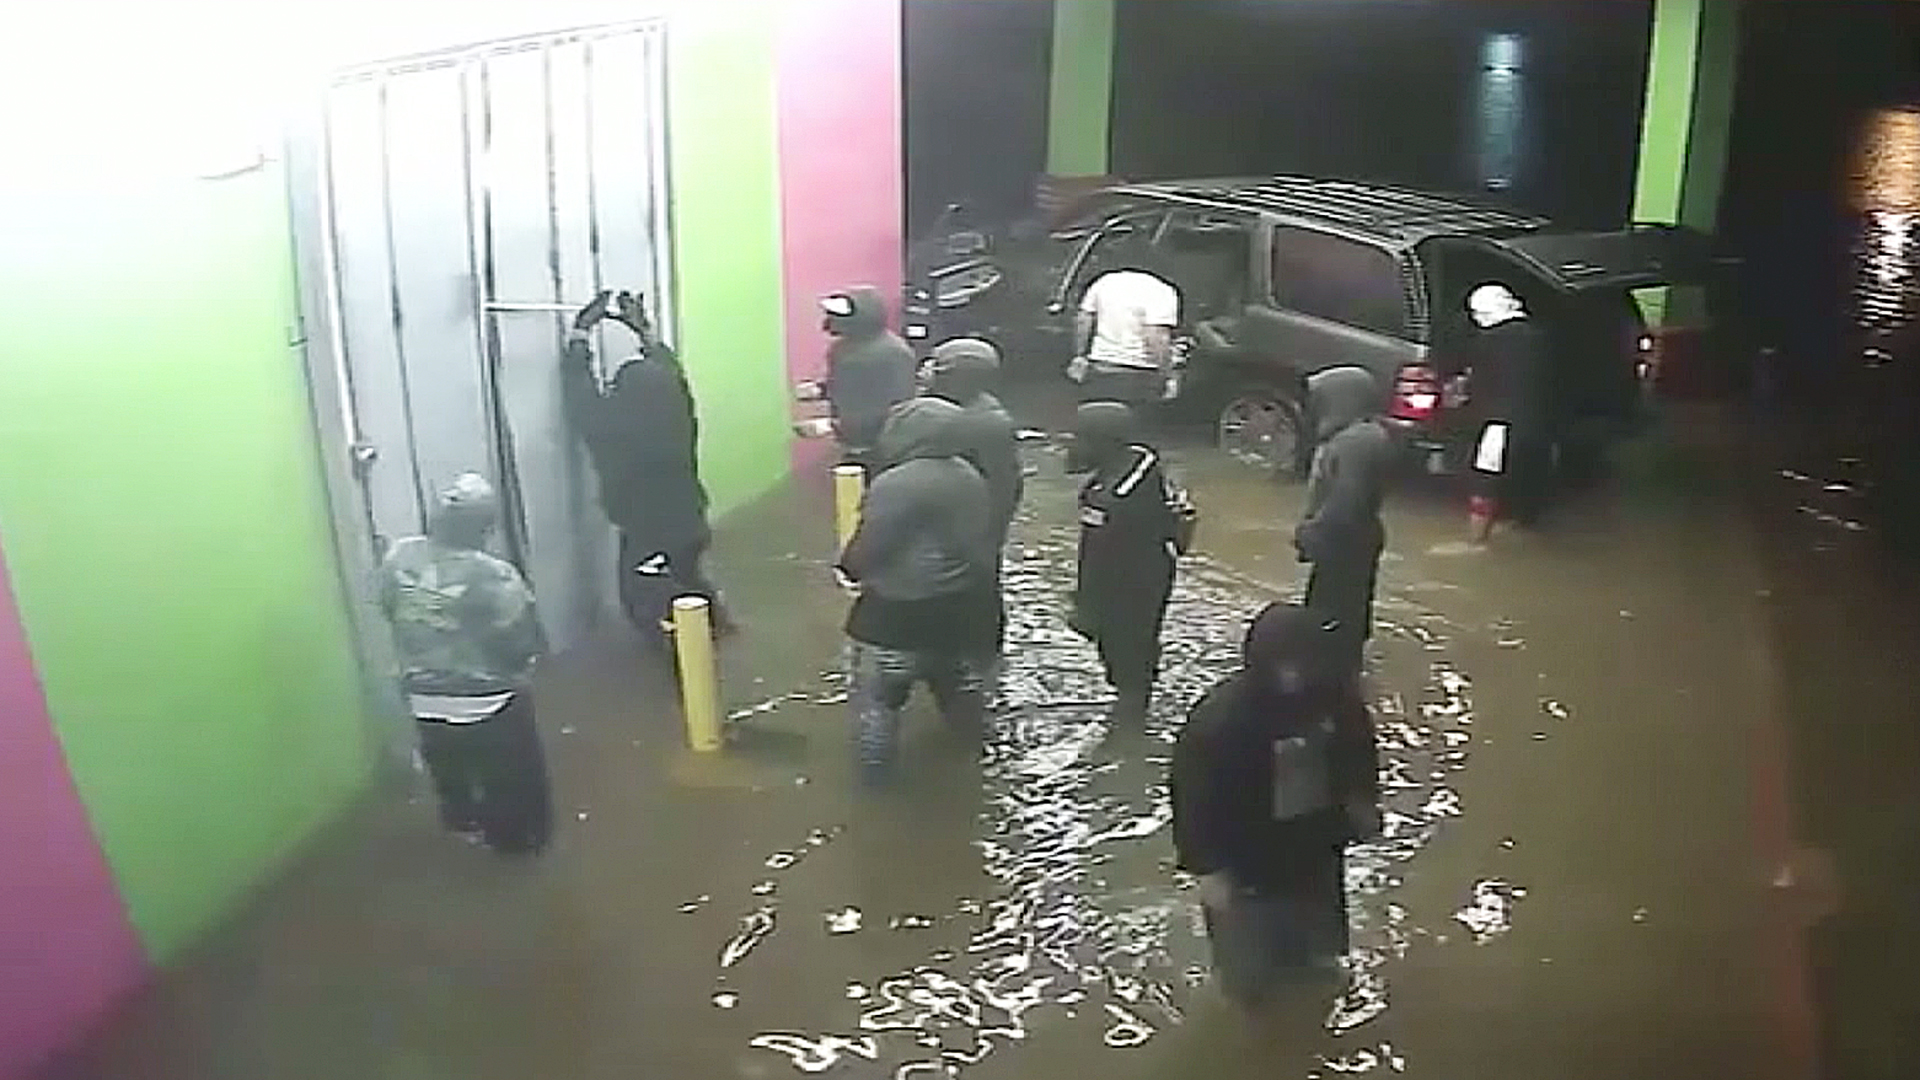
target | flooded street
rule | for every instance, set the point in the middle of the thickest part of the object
(1593, 860)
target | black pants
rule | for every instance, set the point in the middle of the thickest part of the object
(650, 580)
(1265, 938)
(1142, 388)
(1126, 629)
(491, 776)
(1341, 588)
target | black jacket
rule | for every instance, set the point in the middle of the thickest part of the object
(643, 436)
(1129, 530)
(1224, 785)
(869, 370)
(1350, 469)
(1505, 380)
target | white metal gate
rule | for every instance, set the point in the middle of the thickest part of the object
(470, 201)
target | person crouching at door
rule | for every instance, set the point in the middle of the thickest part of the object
(922, 562)
(468, 640)
(1274, 774)
(1133, 526)
(643, 436)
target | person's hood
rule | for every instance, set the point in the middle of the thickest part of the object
(1287, 632)
(1101, 430)
(855, 312)
(963, 369)
(923, 427)
(464, 512)
(1340, 396)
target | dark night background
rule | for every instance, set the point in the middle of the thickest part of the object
(1419, 92)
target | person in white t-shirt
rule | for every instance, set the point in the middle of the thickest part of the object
(1124, 334)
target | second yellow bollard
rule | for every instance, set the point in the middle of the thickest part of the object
(699, 679)
(849, 484)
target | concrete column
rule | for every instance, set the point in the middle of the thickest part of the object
(1683, 132)
(1081, 99)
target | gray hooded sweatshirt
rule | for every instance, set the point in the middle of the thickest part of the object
(924, 552)
(1350, 469)
(869, 368)
(963, 371)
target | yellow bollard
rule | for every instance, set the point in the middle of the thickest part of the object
(699, 683)
(849, 484)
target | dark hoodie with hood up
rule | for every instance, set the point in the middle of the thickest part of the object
(923, 554)
(869, 368)
(964, 371)
(1262, 778)
(643, 437)
(1350, 469)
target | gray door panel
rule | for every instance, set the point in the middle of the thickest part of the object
(477, 197)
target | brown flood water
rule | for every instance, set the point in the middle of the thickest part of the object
(1607, 749)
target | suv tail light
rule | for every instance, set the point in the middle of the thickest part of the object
(1416, 394)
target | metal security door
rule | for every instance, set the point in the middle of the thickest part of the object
(474, 199)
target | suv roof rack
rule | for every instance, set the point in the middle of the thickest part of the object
(1394, 214)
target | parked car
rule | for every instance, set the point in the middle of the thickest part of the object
(1285, 276)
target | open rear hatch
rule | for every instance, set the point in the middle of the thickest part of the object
(1579, 262)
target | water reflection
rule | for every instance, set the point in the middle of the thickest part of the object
(1887, 192)
(1498, 114)
(1079, 921)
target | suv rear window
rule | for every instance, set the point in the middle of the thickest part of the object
(1329, 277)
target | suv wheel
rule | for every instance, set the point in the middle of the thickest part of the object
(1264, 429)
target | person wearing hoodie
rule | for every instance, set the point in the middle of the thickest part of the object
(869, 369)
(468, 639)
(643, 436)
(1274, 774)
(964, 371)
(1133, 526)
(922, 562)
(1341, 536)
(1512, 458)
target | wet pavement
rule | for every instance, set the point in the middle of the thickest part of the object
(1597, 860)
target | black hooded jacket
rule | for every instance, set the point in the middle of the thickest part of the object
(869, 368)
(643, 436)
(963, 371)
(923, 554)
(1129, 525)
(1350, 469)
(1226, 787)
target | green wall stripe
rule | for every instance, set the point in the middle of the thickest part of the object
(1684, 130)
(1080, 104)
(723, 161)
(165, 521)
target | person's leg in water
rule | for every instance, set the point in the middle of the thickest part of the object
(959, 685)
(1129, 643)
(646, 590)
(448, 753)
(881, 682)
(1342, 589)
(1528, 482)
(516, 810)
(1267, 940)
(687, 566)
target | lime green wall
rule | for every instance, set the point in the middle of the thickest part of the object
(723, 148)
(162, 506)
(1081, 100)
(1683, 134)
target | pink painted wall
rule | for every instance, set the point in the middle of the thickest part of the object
(67, 952)
(840, 169)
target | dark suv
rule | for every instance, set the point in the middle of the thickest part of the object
(1282, 277)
